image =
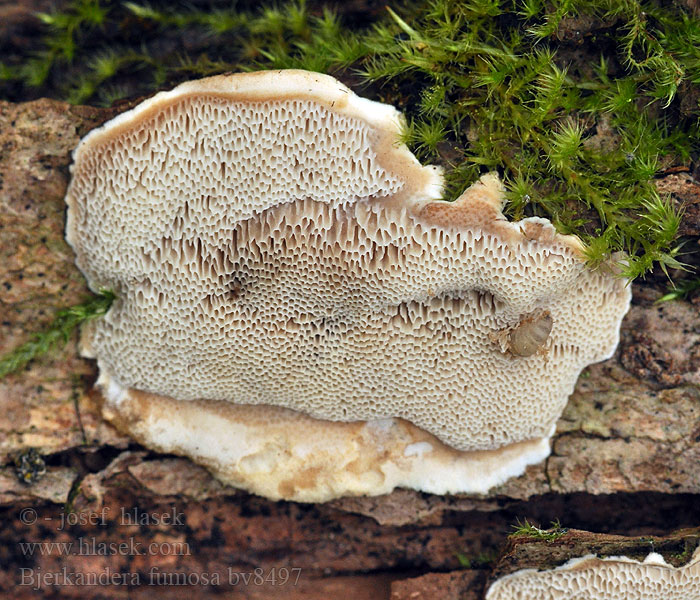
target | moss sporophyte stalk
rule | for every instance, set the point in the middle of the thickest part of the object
(579, 104)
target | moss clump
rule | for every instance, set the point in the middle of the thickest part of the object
(526, 529)
(59, 330)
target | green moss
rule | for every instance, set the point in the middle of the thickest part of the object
(526, 529)
(681, 289)
(480, 561)
(58, 331)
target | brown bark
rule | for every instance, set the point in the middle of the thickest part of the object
(529, 551)
(533, 552)
(455, 585)
(625, 458)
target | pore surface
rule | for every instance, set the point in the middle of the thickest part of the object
(612, 578)
(285, 251)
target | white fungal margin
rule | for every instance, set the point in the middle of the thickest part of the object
(281, 454)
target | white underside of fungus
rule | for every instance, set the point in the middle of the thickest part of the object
(609, 578)
(298, 311)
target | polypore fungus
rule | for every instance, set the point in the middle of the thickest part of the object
(271, 243)
(610, 578)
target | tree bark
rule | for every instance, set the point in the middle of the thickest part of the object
(625, 457)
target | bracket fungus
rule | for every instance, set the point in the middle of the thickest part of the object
(299, 311)
(609, 578)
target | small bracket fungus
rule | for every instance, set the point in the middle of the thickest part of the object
(610, 578)
(297, 309)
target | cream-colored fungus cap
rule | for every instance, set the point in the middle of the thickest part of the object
(272, 243)
(610, 578)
